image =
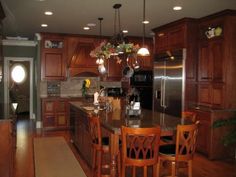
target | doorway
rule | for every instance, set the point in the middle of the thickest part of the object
(18, 87)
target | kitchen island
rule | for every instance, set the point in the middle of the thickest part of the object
(111, 121)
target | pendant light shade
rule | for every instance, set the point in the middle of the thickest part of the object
(143, 51)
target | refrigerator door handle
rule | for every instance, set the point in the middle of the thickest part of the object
(162, 91)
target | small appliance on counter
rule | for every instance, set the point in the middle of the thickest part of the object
(53, 88)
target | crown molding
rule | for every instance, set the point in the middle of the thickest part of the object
(26, 43)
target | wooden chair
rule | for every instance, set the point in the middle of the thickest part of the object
(182, 151)
(186, 115)
(100, 146)
(140, 149)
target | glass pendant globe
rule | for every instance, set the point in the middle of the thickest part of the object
(143, 52)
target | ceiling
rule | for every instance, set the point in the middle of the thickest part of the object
(24, 17)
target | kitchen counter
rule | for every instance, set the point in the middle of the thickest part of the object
(113, 120)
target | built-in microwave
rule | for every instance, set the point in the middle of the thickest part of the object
(142, 78)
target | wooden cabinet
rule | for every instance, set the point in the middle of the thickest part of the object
(204, 131)
(7, 148)
(53, 57)
(55, 113)
(79, 59)
(80, 133)
(114, 69)
(209, 139)
(175, 36)
(169, 38)
(216, 64)
(211, 61)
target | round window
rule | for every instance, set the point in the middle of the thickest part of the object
(18, 73)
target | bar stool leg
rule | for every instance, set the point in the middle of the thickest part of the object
(173, 169)
(190, 168)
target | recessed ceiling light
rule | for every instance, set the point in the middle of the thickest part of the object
(40, 0)
(91, 24)
(125, 31)
(145, 21)
(86, 28)
(48, 13)
(44, 25)
(177, 8)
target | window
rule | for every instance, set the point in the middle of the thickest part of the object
(18, 73)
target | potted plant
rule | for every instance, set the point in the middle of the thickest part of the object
(230, 138)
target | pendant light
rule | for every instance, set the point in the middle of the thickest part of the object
(143, 51)
(100, 60)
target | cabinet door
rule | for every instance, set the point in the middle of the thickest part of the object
(217, 100)
(205, 63)
(176, 38)
(211, 61)
(204, 94)
(61, 113)
(49, 120)
(204, 132)
(161, 43)
(49, 107)
(203, 136)
(53, 67)
(61, 119)
(114, 69)
(216, 53)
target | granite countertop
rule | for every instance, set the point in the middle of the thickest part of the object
(113, 120)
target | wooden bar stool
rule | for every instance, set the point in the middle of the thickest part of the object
(182, 151)
(140, 148)
(100, 146)
(186, 115)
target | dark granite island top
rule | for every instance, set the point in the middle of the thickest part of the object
(113, 120)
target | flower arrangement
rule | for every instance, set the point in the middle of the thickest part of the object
(106, 49)
(85, 87)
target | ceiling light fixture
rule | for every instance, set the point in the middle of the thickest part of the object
(91, 24)
(177, 8)
(117, 47)
(125, 31)
(100, 59)
(48, 13)
(44, 25)
(86, 28)
(144, 50)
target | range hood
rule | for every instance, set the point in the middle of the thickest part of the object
(83, 72)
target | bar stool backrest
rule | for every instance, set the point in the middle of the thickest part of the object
(186, 141)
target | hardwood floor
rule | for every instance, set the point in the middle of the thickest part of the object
(24, 163)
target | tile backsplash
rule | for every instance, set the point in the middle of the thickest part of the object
(72, 87)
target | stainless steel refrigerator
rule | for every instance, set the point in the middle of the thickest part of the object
(168, 82)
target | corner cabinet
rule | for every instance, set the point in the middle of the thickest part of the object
(55, 113)
(216, 80)
(216, 64)
(53, 57)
